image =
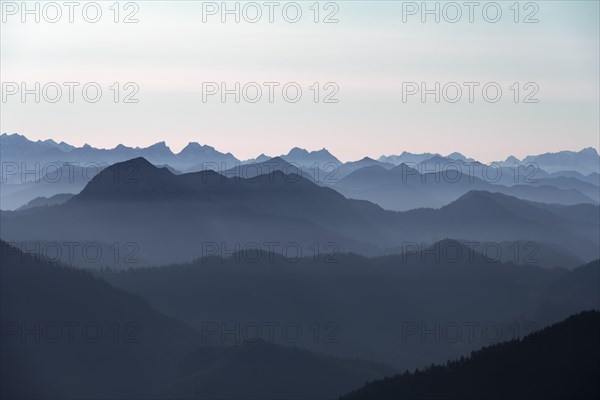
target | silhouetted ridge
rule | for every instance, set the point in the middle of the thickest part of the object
(129, 200)
(405, 169)
(488, 205)
(259, 369)
(137, 179)
(559, 362)
(34, 291)
(132, 179)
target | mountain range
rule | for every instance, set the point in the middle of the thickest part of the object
(372, 261)
(174, 217)
(404, 188)
(194, 156)
(360, 307)
(67, 334)
(152, 343)
(32, 169)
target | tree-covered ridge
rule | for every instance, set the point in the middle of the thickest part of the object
(558, 362)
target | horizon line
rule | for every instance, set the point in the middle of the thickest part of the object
(176, 152)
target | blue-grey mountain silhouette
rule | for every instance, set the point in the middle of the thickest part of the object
(136, 201)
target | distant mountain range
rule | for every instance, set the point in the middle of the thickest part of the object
(584, 161)
(18, 148)
(57, 179)
(403, 187)
(46, 201)
(33, 169)
(172, 217)
(195, 157)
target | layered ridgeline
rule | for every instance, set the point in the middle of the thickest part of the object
(406, 187)
(66, 334)
(46, 168)
(180, 217)
(559, 362)
(18, 148)
(56, 180)
(405, 310)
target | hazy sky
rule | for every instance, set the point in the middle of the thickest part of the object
(370, 54)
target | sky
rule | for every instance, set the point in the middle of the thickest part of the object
(371, 61)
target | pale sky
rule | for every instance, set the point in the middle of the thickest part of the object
(369, 54)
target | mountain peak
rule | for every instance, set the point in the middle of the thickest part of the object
(193, 145)
(460, 157)
(322, 151)
(194, 148)
(134, 166)
(478, 194)
(589, 151)
(135, 178)
(485, 205)
(158, 145)
(4, 135)
(276, 162)
(297, 151)
(404, 168)
(304, 157)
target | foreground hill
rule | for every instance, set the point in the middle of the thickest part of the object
(66, 334)
(559, 362)
(262, 370)
(361, 307)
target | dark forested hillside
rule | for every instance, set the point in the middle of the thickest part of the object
(66, 333)
(559, 362)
